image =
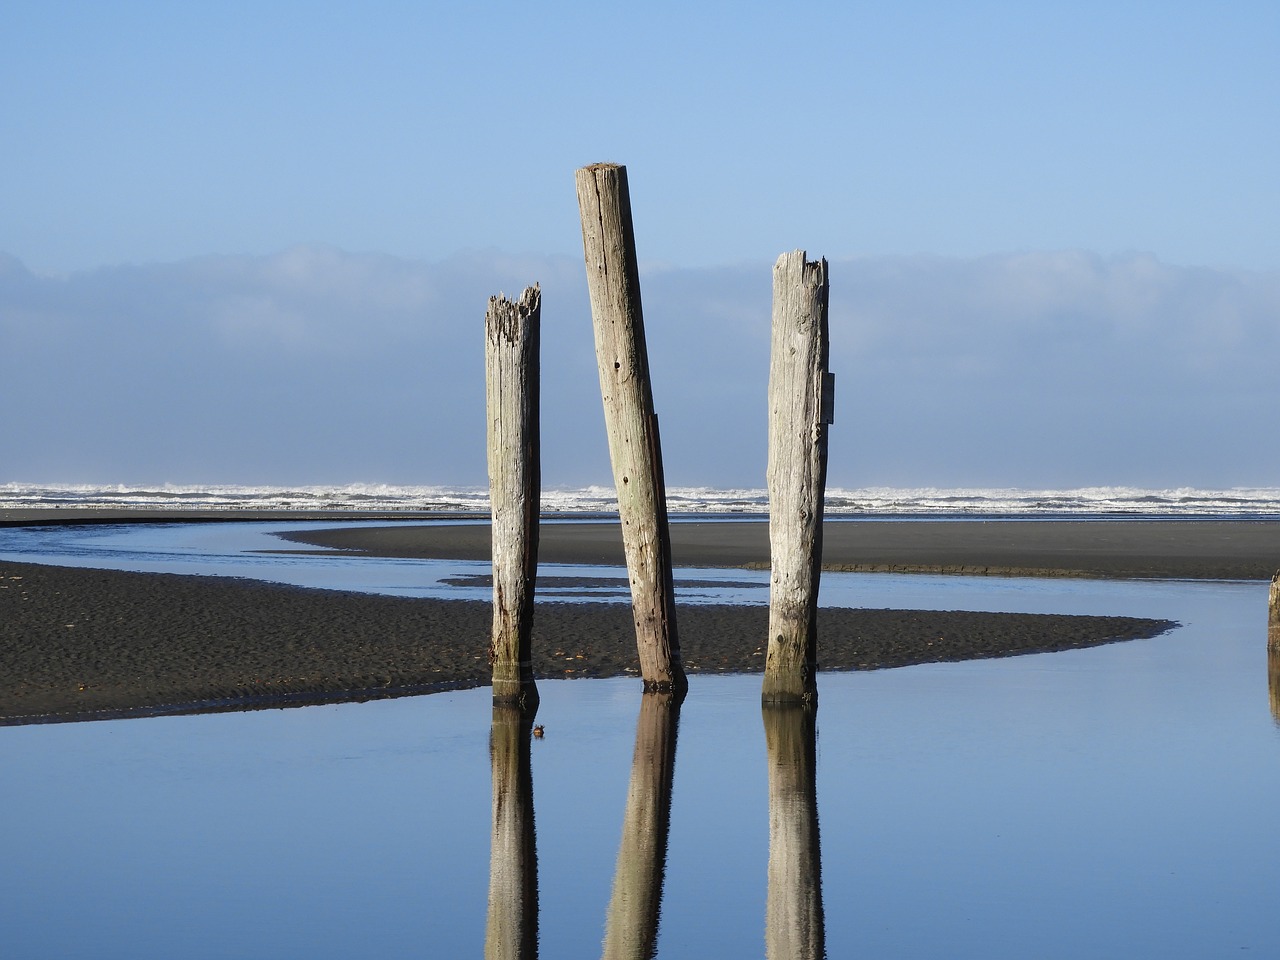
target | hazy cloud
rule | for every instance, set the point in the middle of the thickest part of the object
(317, 365)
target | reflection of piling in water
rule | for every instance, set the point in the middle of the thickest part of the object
(1273, 614)
(631, 930)
(512, 928)
(1273, 682)
(793, 928)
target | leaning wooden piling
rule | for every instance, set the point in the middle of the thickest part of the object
(613, 282)
(1273, 615)
(801, 398)
(515, 480)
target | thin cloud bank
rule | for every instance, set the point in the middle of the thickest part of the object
(1059, 368)
(316, 365)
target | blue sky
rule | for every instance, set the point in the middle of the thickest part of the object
(254, 242)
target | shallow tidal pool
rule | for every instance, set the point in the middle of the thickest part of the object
(1112, 802)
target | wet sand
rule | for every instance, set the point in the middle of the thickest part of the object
(1174, 549)
(79, 643)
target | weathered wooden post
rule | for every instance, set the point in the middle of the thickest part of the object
(631, 927)
(1273, 615)
(794, 926)
(515, 480)
(511, 930)
(801, 404)
(613, 281)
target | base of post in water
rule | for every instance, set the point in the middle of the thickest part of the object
(775, 709)
(807, 698)
(677, 687)
(516, 693)
(790, 685)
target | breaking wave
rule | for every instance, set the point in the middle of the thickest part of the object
(1182, 502)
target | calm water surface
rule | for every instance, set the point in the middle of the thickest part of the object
(1114, 802)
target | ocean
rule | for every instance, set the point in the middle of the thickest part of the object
(1082, 502)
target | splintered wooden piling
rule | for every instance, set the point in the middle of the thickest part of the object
(801, 401)
(1273, 615)
(613, 282)
(511, 395)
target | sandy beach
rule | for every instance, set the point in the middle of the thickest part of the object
(1173, 549)
(78, 643)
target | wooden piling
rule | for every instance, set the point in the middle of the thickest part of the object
(511, 395)
(801, 404)
(1273, 614)
(613, 282)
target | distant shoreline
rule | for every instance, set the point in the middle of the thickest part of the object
(1217, 549)
(70, 516)
(1162, 549)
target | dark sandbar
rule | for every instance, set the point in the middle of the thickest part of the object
(81, 643)
(1169, 549)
